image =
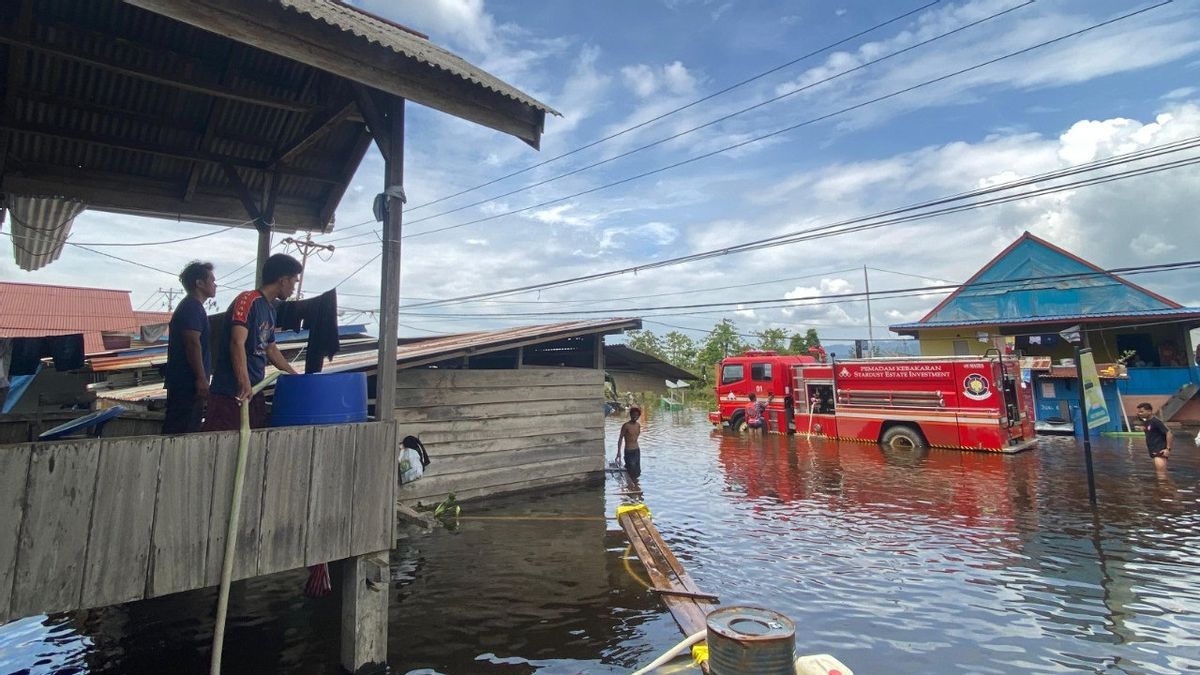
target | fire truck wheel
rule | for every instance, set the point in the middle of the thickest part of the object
(902, 438)
(736, 420)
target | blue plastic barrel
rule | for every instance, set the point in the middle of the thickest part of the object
(319, 398)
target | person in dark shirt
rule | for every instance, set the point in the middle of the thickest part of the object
(247, 344)
(1158, 436)
(188, 361)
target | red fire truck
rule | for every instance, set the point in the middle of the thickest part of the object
(966, 402)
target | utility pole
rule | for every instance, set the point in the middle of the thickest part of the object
(870, 323)
(170, 294)
(305, 247)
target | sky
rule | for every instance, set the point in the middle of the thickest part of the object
(881, 121)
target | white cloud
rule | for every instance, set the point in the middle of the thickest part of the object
(1147, 245)
(1180, 93)
(673, 79)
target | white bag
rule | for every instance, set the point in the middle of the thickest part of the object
(410, 465)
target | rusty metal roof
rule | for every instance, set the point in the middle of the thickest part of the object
(36, 310)
(411, 354)
(404, 40)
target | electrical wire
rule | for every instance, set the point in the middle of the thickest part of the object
(871, 221)
(664, 115)
(726, 117)
(792, 127)
(838, 298)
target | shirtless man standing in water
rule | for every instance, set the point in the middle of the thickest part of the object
(629, 441)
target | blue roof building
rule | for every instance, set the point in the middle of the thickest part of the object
(1022, 298)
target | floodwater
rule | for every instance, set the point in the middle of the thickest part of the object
(940, 562)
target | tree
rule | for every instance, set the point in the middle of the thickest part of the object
(797, 344)
(772, 339)
(800, 344)
(811, 338)
(646, 342)
(721, 341)
(680, 350)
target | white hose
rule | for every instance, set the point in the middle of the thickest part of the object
(673, 652)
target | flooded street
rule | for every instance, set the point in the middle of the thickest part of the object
(895, 563)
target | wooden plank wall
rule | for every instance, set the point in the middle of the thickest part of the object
(89, 523)
(490, 432)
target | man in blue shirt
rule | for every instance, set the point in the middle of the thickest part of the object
(247, 344)
(188, 362)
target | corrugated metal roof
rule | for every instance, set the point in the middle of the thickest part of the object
(405, 41)
(35, 310)
(1149, 314)
(40, 225)
(624, 356)
(431, 350)
(151, 318)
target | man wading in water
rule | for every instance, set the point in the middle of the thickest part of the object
(1158, 436)
(629, 441)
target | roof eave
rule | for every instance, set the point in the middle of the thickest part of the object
(303, 38)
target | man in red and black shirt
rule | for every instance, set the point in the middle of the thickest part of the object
(247, 344)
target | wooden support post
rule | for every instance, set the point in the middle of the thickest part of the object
(389, 290)
(599, 355)
(365, 584)
(365, 578)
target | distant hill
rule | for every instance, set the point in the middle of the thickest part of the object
(845, 348)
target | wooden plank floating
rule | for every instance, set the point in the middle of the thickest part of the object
(96, 522)
(687, 603)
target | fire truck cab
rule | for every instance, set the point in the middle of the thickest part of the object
(765, 373)
(973, 403)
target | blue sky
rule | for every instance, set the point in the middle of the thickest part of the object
(607, 66)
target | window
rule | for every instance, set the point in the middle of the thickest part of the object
(760, 372)
(733, 372)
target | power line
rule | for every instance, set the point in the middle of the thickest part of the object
(792, 127)
(708, 97)
(870, 221)
(838, 298)
(723, 118)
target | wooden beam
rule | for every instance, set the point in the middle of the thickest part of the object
(376, 121)
(123, 193)
(299, 37)
(194, 84)
(262, 222)
(315, 132)
(160, 150)
(353, 159)
(215, 105)
(243, 193)
(389, 283)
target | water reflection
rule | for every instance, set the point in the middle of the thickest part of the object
(935, 561)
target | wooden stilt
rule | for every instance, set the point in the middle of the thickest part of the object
(365, 612)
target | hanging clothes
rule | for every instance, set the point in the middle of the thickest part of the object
(27, 353)
(319, 317)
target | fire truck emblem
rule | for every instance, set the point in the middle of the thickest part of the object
(845, 372)
(976, 387)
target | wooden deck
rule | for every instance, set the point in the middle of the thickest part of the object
(89, 523)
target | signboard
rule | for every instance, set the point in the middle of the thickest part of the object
(896, 371)
(1093, 396)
